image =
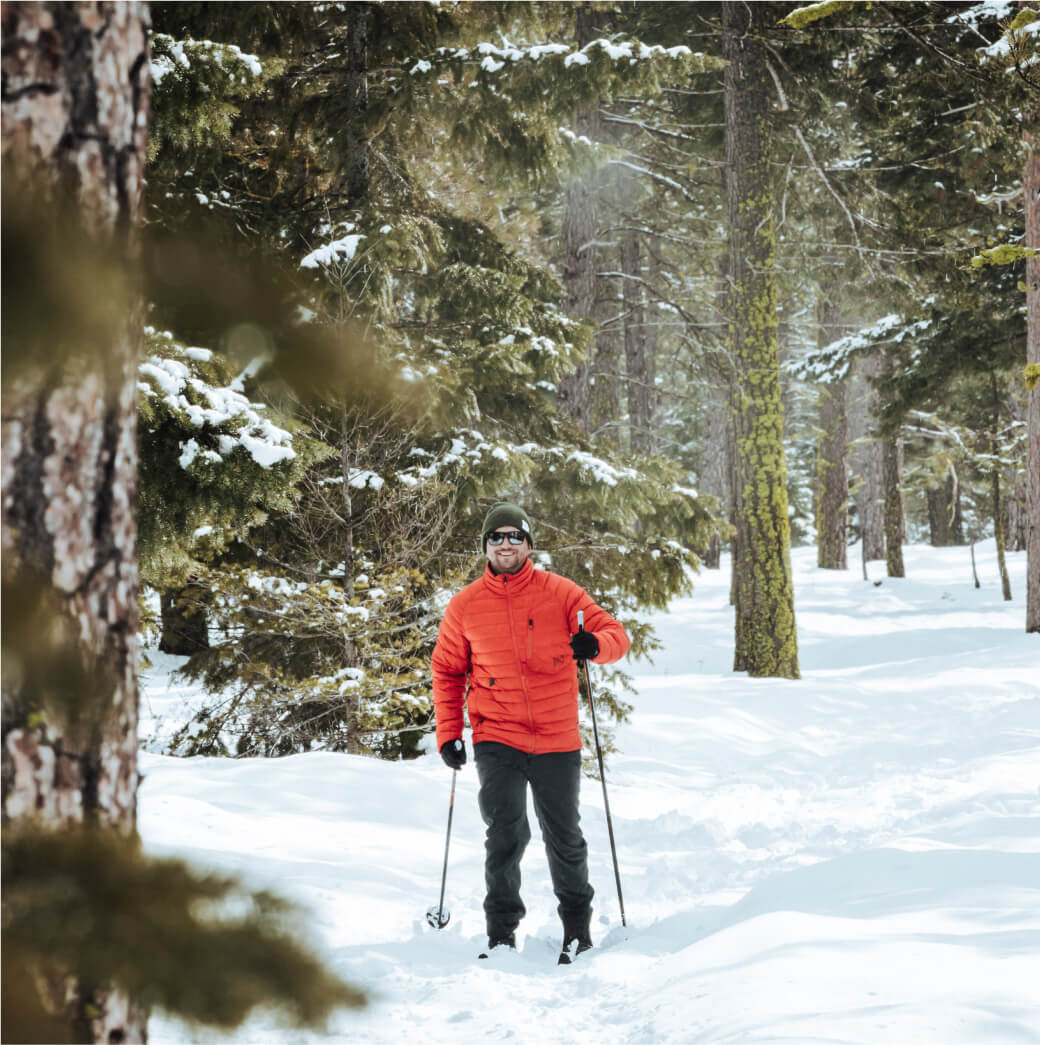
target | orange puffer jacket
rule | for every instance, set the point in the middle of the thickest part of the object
(510, 634)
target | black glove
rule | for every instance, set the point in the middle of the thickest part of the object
(585, 645)
(454, 754)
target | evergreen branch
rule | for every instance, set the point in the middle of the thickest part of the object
(92, 904)
(813, 162)
(656, 177)
(972, 71)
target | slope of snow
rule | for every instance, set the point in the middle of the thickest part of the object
(853, 857)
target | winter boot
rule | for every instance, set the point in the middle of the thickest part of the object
(507, 940)
(576, 939)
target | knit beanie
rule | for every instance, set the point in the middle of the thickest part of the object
(506, 513)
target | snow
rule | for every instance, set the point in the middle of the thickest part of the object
(263, 440)
(342, 249)
(217, 53)
(853, 857)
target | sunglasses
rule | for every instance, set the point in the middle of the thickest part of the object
(514, 537)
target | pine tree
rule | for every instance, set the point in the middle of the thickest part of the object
(320, 633)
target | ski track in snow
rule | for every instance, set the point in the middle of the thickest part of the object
(849, 858)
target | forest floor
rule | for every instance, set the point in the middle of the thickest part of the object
(849, 858)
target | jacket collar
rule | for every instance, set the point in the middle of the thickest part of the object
(513, 582)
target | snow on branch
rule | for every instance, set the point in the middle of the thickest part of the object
(492, 58)
(172, 381)
(171, 55)
(834, 361)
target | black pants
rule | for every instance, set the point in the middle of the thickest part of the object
(555, 779)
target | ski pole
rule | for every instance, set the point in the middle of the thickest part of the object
(438, 917)
(602, 775)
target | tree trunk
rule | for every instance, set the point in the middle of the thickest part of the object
(866, 458)
(75, 113)
(998, 505)
(895, 524)
(945, 522)
(606, 372)
(348, 462)
(356, 102)
(766, 637)
(580, 253)
(832, 459)
(718, 454)
(185, 622)
(716, 469)
(1017, 505)
(638, 366)
(1031, 196)
(651, 330)
(1016, 499)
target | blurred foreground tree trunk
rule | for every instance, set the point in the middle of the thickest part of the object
(75, 117)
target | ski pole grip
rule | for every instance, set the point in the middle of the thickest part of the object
(581, 620)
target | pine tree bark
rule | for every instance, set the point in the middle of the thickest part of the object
(718, 456)
(356, 102)
(766, 637)
(580, 251)
(999, 532)
(75, 113)
(832, 458)
(606, 370)
(638, 363)
(945, 521)
(866, 458)
(1031, 196)
(185, 622)
(895, 525)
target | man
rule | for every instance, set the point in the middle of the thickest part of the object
(507, 647)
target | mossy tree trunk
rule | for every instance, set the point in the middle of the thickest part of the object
(75, 116)
(766, 637)
(832, 457)
(1031, 196)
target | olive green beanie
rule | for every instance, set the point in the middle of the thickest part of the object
(505, 513)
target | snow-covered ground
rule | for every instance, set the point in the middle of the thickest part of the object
(852, 857)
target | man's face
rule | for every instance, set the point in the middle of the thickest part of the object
(507, 557)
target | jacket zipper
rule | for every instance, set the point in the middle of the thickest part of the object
(519, 662)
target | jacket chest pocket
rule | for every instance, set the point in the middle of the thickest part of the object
(546, 640)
